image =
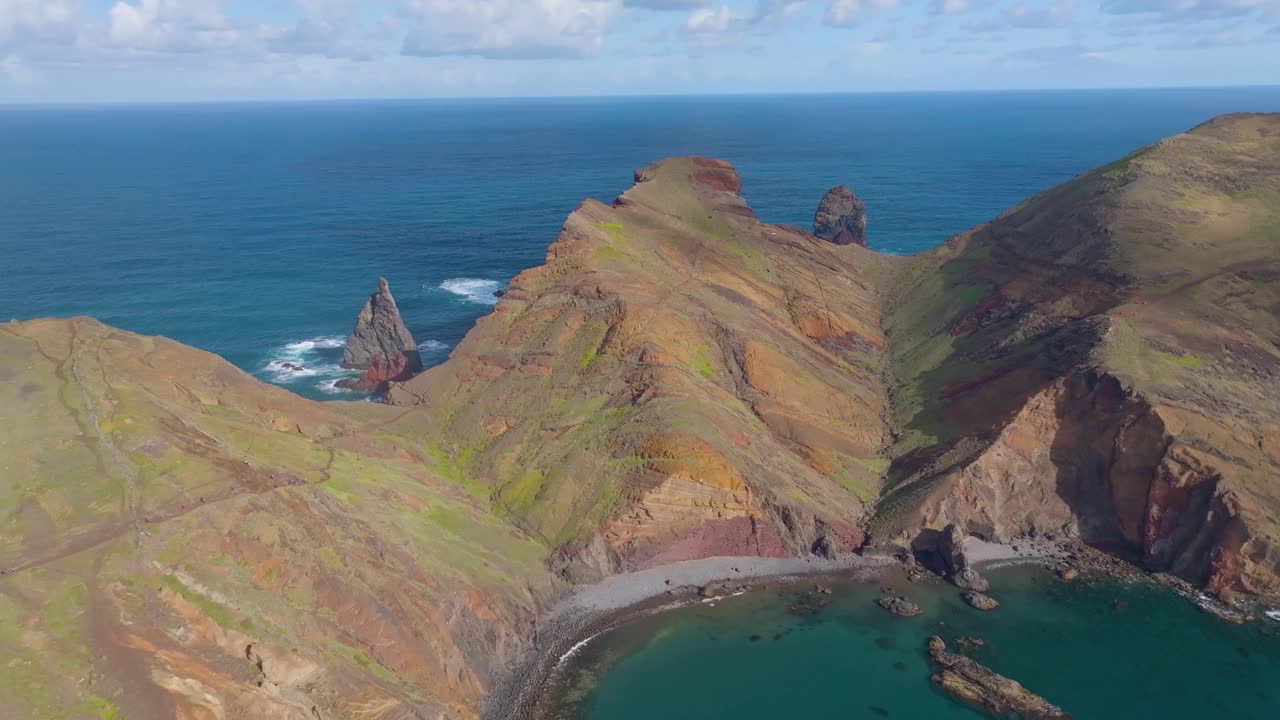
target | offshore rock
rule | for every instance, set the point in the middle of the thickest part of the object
(981, 602)
(968, 681)
(958, 569)
(899, 606)
(380, 345)
(841, 218)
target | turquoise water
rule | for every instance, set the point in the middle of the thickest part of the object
(1101, 651)
(255, 231)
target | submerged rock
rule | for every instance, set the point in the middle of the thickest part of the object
(380, 345)
(899, 606)
(969, 681)
(841, 218)
(980, 601)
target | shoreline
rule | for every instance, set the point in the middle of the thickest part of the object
(531, 683)
(591, 610)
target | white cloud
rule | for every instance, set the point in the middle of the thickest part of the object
(181, 26)
(509, 28)
(776, 12)
(847, 13)
(24, 22)
(956, 7)
(713, 27)
(15, 69)
(1187, 9)
(1055, 14)
(333, 28)
(666, 4)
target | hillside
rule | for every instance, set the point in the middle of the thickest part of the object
(181, 540)
(678, 380)
(1102, 361)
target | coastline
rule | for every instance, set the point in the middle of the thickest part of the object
(530, 683)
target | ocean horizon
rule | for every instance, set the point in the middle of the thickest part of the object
(255, 230)
(621, 96)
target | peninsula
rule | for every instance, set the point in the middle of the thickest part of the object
(678, 381)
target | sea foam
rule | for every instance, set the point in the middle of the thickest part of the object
(475, 290)
(432, 346)
(302, 360)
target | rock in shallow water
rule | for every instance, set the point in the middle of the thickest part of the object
(970, 579)
(967, 680)
(980, 601)
(899, 606)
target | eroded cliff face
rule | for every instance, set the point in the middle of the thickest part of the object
(1087, 459)
(1103, 368)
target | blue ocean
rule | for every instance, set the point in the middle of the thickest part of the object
(256, 231)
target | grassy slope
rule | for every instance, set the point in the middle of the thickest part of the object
(144, 478)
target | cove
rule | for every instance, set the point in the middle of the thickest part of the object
(1099, 649)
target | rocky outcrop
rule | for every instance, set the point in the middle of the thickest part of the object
(380, 345)
(898, 605)
(978, 601)
(841, 218)
(970, 682)
(944, 553)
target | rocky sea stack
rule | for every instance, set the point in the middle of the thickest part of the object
(380, 345)
(841, 218)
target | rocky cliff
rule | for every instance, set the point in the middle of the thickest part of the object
(1101, 362)
(677, 380)
(841, 218)
(380, 345)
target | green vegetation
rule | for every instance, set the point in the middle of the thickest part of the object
(615, 232)
(215, 611)
(519, 496)
(701, 363)
(750, 256)
(1131, 354)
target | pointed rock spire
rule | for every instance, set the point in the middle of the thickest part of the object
(380, 344)
(841, 218)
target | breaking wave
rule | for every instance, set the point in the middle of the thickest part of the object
(480, 292)
(303, 360)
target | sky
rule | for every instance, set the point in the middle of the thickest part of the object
(196, 50)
